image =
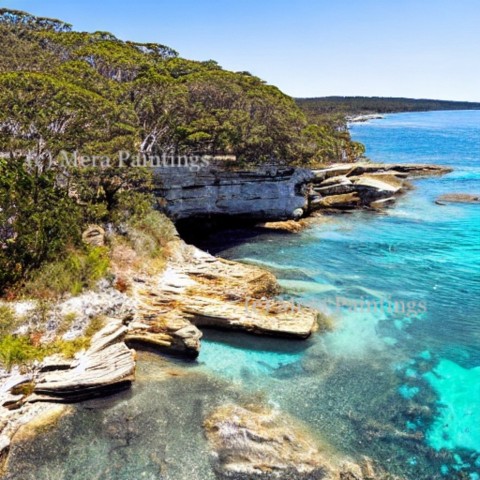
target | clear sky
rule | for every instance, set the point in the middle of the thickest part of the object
(412, 48)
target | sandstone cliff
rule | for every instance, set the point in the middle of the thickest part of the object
(266, 193)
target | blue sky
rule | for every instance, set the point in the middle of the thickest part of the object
(412, 48)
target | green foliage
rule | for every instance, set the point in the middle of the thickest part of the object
(328, 143)
(66, 94)
(37, 219)
(66, 348)
(20, 53)
(46, 115)
(95, 325)
(8, 320)
(131, 204)
(160, 102)
(19, 19)
(17, 350)
(78, 269)
(20, 350)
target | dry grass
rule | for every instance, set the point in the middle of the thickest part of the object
(142, 249)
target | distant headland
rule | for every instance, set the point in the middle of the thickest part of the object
(321, 107)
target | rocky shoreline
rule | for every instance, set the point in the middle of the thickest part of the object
(272, 193)
(107, 366)
(167, 311)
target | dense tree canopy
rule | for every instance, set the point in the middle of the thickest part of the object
(177, 105)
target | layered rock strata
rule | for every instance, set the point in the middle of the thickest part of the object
(272, 193)
(364, 185)
(266, 193)
(195, 290)
(105, 367)
(198, 290)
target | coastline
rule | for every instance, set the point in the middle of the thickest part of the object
(194, 291)
(203, 277)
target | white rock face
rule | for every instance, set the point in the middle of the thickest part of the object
(268, 193)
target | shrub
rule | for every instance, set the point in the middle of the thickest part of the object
(22, 350)
(78, 270)
(8, 320)
(17, 350)
(95, 325)
(68, 348)
(37, 220)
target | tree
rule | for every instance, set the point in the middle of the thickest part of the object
(19, 19)
(38, 219)
(161, 105)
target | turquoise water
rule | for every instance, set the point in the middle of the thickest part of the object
(397, 380)
(413, 362)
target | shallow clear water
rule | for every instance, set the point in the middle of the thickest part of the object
(398, 379)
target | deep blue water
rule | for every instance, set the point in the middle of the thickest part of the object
(399, 382)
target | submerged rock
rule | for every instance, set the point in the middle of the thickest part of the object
(457, 198)
(105, 367)
(261, 443)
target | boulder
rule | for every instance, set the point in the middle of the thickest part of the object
(31, 400)
(107, 366)
(94, 235)
(167, 331)
(297, 213)
(198, 290)
(289, 226)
